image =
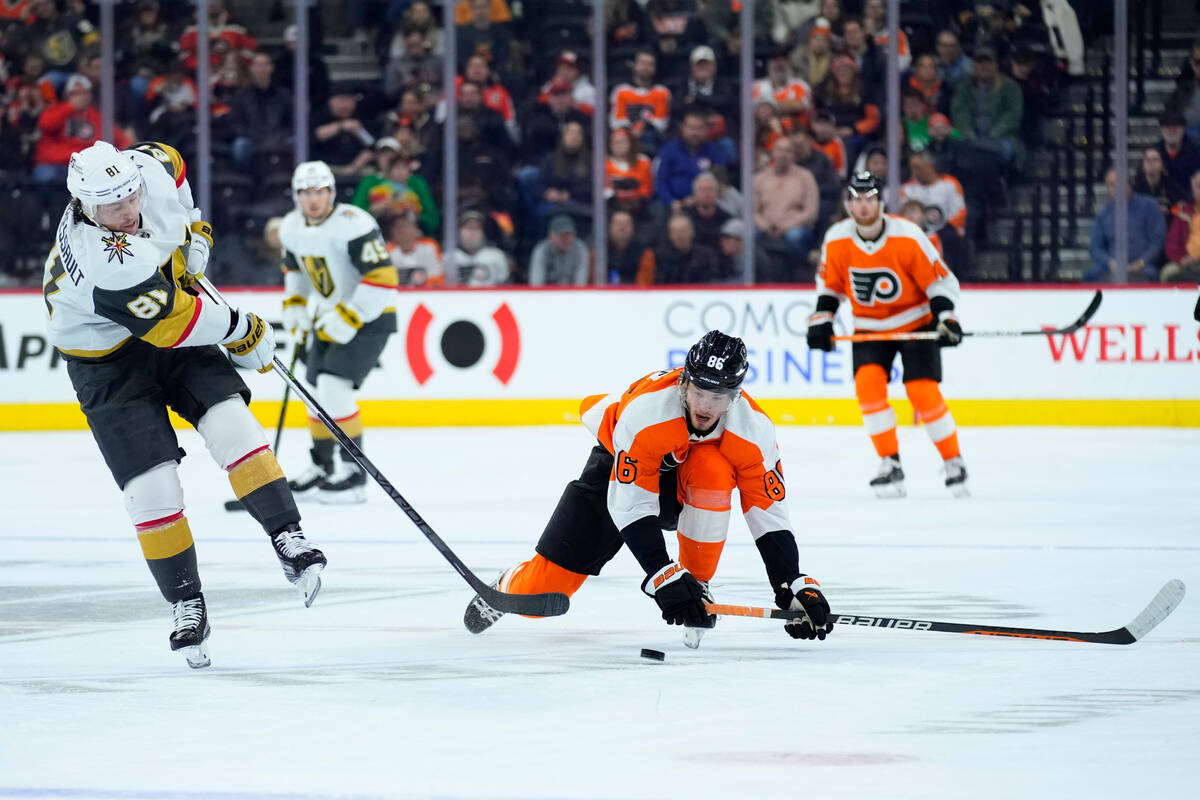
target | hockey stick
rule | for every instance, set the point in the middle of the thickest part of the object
(1166, 601)
(908, 336)
(235, 504)
(549, 604)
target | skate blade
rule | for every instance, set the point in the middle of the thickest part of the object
(196, 655)
(309, 583)
(692, 637)
(889, 491)
(959, 490)
(345, 497)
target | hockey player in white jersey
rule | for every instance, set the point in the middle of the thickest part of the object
(137, 339)
(340, 284)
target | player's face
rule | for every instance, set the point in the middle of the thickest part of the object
(316, 203)
(122, 215)
(704, 408)
(865, 210)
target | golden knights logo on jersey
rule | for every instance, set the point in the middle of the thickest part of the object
(117, 246)
(870, 285)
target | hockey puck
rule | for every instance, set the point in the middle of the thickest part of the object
(653, 655)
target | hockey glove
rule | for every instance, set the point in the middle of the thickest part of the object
(680, 597)
(339, 324)
(950, 333)
(250, 342)
(296, 319)
(820, 331)
(199, 248)
(1196, 312)
(804, 594)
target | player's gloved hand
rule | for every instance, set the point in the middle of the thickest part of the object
(338, 324)
(820, 331)
(680, 597)
(199, 249)
(805, 595)
(1196, 313)
(296, 319)
(251, 342)
(950, 333)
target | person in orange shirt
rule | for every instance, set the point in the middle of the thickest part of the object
(896, 281)
(671, 449)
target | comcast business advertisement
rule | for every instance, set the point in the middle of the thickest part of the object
(534, 353)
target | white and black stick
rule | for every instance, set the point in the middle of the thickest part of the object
(904, 336)
(1166, 601)
(549, 604)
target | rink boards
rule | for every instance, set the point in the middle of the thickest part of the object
(527, 356)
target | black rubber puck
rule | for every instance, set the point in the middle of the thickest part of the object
(653, 655)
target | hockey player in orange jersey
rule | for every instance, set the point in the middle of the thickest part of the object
(671, 450)
(896, 281)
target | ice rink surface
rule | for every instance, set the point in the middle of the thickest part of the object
(378, 691)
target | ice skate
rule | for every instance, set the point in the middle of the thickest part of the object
(302, 562)
(346, 485)
(479, 616)
(956, 477)
(307, 482)
(692, 636)
(889, 481)
(190, 634)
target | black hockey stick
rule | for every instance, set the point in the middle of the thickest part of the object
(888, 336)
(549, 604)
(1167, 599)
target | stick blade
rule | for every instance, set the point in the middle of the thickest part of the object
(1167, 600)
(548, 604)
(1088, 313)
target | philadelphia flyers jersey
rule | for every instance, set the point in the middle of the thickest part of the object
(103, 287)
(343, 257)
(647, 423)
(889, 280)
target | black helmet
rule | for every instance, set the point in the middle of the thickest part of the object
(716, 363)
(864, 184)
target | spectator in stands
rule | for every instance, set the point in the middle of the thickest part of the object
(875, 161)
(224, 36)
(731, 261)
(946, 145)
(679, 259)
(569, 71)
(491, 125)
(627, 25)
(1039, 86)
(728, 197)
(565, 177)
(914, 116)
(260, 116)
(826, 139)
(793, 97)
(811, 59)
(284, 74)
(675, 30)
(172, 99)
(560, 259)
(701, 207)
(945, 207)
(483, 167)
(501, 14)
(1183, 239)
(682, 159)
(929, 85)
(28, 95)
(914, 211)
(419, 15)
(624, 161)
(1147, 236)
(642, 105)
(828, 184)
(58, 38)
(226, 80)
(871, 62)
(1151, 179)
(144, 50)
(857, 120)
(786, 201)
(481, 36)
(393, 185)
(876, 23)
(767, 128)
(418, 259)
(495, 95)
(68, 127)
(476, 261)
(829, 10)
(987, 109)
(721, 19)
(543, 125)
(1185, 100)
(340, 137)
(625, 249)
(413, 113)
(953, 65)
(704, 89)
(415, 67)
(1180, 153)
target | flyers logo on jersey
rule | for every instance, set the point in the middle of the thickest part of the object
(462, 343)
(876, 284)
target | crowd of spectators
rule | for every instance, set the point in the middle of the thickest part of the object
(976, 80)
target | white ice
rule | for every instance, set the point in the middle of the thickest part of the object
(378, 691)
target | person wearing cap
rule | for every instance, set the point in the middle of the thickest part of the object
(987, 108)
(793, 96)
(768, 267)
(561, 259)
(260, 116)
(541, 127)
(395, 186)
(1180, 153)
(476, 261)
(703, 88)
(568, 70)
(340, 138)
(67, 127)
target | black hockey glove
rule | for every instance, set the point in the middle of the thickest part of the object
(1196, 313)
(680, 597)
(950, 333)
(820, 331)
(805, 595)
